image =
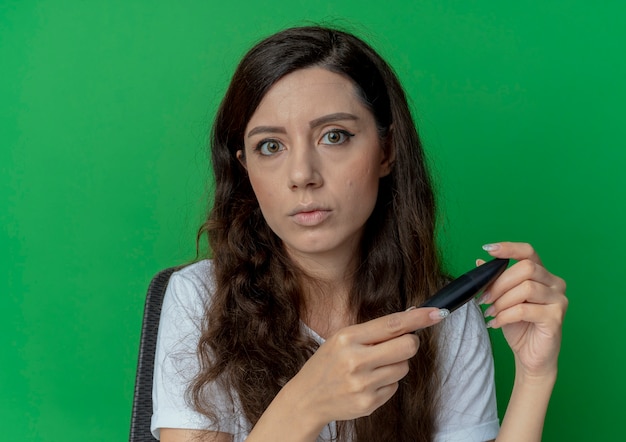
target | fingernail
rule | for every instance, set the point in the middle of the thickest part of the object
(491, 247)
(410, 308)
(439, 314)
(489, 311)
(484, 299)
(491, 324)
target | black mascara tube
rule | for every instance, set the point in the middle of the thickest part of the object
(466, 286)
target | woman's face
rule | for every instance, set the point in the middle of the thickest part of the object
(314, 160)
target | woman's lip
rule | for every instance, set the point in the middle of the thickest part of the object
(310, 218)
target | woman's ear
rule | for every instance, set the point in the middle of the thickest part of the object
(241, 156)
(389, 153)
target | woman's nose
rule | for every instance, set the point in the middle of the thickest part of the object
(304, 168)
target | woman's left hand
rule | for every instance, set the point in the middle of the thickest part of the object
(528, 303)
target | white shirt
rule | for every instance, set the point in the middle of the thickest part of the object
(468, 402)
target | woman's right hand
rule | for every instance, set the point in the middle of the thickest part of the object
(358, 369)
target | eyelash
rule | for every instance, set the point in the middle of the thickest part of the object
(347, 135)
(344, 133)
(259, 146)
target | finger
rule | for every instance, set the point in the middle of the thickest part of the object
(517, 274)
(366, 404)
(526, 292)
(389, 374)
(393, 351)
(390, 326)
(514, 250)
(382, 395)
(547, 315)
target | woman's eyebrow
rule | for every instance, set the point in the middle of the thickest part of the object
(332, 117)
(267, 129)
(338, 116)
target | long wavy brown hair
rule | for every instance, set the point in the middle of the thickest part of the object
(252, 340)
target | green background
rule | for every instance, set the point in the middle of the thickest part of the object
(104, 113)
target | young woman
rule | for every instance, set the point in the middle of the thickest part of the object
(301, 326)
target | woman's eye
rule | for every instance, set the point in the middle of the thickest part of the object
(336, 137)
(269, 147)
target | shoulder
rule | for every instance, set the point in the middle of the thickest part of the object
(187, 296)
(467, 409)
(198, 275)
(180, 324)
(190, 287)
(463, 341)
(467, 323)
(188, 293)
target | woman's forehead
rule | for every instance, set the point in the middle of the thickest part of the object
(308, 94)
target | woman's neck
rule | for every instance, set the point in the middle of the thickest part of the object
(326, 288)
(326, 308)
(326, 301)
